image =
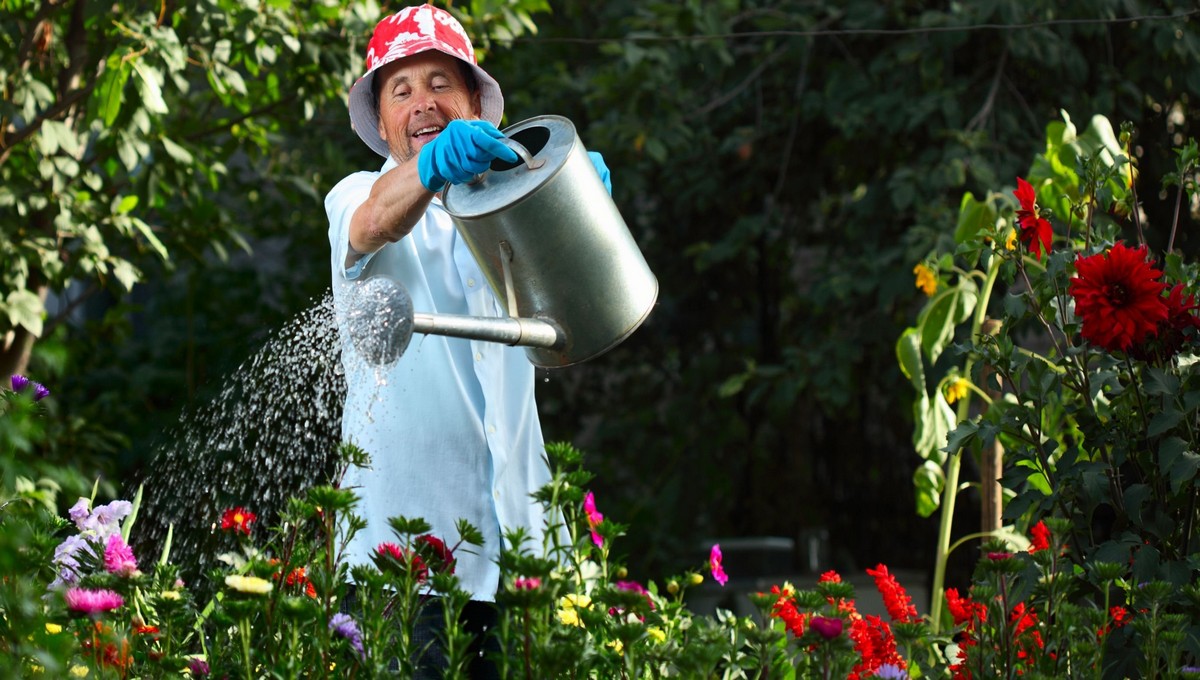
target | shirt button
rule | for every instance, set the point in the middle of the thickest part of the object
(478, 356)
(496, 494)
(491, 429)
(471, 282)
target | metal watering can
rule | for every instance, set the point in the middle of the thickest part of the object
(553, 248)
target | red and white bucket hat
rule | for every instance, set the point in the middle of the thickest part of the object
(411, 31)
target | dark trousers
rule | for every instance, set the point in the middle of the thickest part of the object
(478, 618)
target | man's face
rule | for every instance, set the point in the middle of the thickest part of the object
(418, 97)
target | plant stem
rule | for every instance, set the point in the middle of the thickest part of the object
(954, 464)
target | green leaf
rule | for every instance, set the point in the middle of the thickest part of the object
(1161, 383)
(1165, 420)
(177, 152)
(126, 204)
(24, 308)
(928, 480)
(908, 353)
(942, 314)
(148, 234)
(149, 88)
(126, 273)
(974, 217)
(110, 90)
(1178, 463)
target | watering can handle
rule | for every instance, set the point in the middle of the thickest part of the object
(530, 162)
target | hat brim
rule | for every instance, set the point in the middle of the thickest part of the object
(364, 115)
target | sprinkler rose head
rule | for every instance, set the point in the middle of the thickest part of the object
(378, 316)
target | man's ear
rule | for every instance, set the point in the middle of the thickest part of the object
(477, 103)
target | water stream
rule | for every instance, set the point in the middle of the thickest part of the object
(271, 431)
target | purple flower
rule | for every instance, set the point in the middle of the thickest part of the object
(890, 671)
(105, 520)
(198, 667)
(66, 558)
(40, 392)
(19, 383)
(80, 511)
(89, 601)
(344, 626)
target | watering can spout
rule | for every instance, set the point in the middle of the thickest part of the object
(508, 330)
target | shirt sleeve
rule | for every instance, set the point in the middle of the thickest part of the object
(340, 205)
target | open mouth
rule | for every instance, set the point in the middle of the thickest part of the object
(426, 133)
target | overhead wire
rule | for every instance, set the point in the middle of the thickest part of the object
(844, 32)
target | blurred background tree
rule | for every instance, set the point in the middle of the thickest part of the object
(783, 166)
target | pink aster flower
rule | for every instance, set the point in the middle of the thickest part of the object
(527, 583)
(118, 557)
(827, 627)
(714, 563)
(594, 518)
(92, 601)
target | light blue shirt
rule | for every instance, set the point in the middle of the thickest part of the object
(452, 428)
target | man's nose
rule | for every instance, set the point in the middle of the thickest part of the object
(423, 100)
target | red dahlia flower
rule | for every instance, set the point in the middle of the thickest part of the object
(1179, 328)
(1035, 231)
(1118, 297)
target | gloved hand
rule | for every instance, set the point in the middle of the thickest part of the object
(462, 150)
(601, 169)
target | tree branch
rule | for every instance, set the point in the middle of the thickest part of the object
(986, 110)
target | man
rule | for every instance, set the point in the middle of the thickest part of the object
(451, 427)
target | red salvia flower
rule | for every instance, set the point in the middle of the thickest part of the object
(1025, 632)
(1118, 297)
(1039, 537)
(785, 609)
(1035, 230)
(237, 519)
(1118, 616)
(899, 605)
(876, 645)
(830, 576)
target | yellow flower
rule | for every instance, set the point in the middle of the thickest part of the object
(672, 586)
(1011, 242)
(957, 390)
(53, 628)
(568, 608)
(617, 646)
(926, 279)
(169, 594)
(79, 671)
(696, 579)
(248, 584)
(657, 634)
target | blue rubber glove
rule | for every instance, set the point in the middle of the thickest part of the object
(601, 169)
(462, 150)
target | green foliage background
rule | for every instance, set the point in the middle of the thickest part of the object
(783, 165)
